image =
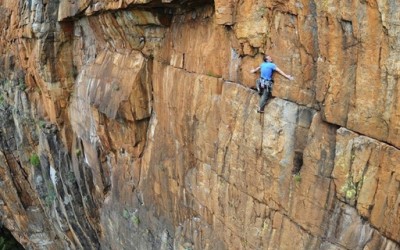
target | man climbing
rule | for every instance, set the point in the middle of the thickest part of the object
(265, 83)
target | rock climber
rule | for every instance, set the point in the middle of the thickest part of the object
(265, 82)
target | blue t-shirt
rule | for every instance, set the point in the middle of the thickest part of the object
(267, 69)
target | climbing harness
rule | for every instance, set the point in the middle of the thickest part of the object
(264, 85)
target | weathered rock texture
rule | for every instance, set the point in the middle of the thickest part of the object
(131, 124)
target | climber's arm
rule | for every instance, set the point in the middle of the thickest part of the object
(255, 70)
(284, 74)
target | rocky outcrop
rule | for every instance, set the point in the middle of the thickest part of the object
(132, 125)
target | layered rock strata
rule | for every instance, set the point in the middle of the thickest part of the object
(132, 125)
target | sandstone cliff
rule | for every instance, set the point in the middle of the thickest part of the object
(131, 124)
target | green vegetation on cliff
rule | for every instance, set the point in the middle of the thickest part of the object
(7, 241)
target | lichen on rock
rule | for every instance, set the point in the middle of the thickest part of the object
(132, 125)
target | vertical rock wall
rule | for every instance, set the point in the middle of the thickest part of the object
(132, 125)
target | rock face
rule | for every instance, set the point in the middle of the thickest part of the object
(132, 125)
